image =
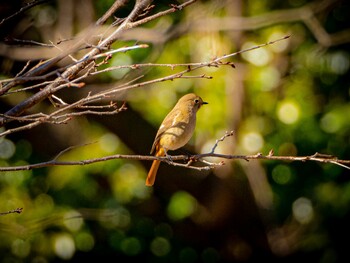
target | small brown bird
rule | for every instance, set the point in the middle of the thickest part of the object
(175, 131)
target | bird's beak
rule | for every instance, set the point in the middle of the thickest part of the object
(204, 102)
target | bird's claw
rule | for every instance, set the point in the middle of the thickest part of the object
(169, 158)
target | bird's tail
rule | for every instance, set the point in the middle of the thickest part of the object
(151, 177)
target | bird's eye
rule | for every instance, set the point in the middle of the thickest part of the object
(196, 101)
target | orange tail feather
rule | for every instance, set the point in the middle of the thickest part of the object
(151, 177)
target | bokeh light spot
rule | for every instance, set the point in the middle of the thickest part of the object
(253, 142)
(7, 149)
(109, 142)
(160, 246)
(21, 248)
(282, 174)
(73, 220)
(331, 122)
(288, 112)
(63, 245)
(339, 63)
(131, 246)
(269, 78)
(128, 183)
(303, 211)
(85, 241)
(181, 205)
(258, 57)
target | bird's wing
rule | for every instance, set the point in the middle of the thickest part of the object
(167, 123)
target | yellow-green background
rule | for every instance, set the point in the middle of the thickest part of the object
(292, 97)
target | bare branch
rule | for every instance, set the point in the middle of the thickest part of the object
(227, 134)
(17, 211)
(166, 12)
(56, 118)
(74, 69)
(123, 49)
(190, 67)
(190, 159)
(111, 10)
(23, 9)
(22, 42)
(70, 148)
(187, 158)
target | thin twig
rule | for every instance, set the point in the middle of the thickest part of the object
(24, 69)
(70, 148)
(227, 134)
(123, 49)
(163, 13)
(23, 9)
(14, 211)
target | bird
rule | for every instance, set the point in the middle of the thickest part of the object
(175, 131)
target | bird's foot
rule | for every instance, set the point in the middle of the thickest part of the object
(169, 158)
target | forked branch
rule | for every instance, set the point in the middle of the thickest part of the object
(33, 121)
(133, 19)
(188, 160)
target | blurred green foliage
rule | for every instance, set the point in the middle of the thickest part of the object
(292, 96)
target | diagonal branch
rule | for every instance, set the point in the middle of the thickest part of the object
(23, 9)
(111, 10)
(14, 211)
(190, 67)
(73, 70)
